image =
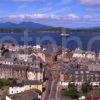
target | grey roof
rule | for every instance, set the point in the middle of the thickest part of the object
(27, 95)
(95, 72)
(71, 70)
(8, 59)
(31, 82)
(21, 68)
(35, 69)
(12, 66)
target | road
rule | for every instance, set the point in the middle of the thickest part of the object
(53, 91)
(51, 87)
(48, 89)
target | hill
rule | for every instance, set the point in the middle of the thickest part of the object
(23, 25)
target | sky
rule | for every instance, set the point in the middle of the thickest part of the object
(67, 13)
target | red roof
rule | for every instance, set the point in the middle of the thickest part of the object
(94, 98)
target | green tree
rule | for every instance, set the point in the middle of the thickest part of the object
(86, 87)
(3, 83)
(72, 91)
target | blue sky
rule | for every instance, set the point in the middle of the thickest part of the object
(52, 12)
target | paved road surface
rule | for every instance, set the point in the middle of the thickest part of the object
(48, 89)
(53, 91)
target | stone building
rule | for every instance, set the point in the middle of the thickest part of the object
(12, 71)
(35, 74)
(26, 85)
(26, 95)
(21, 72)
(78, 76)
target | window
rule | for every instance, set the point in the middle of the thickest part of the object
(91, 75)
(76, 77)
(82, 78)
(87, 72)
(82, 72)
(76, 72)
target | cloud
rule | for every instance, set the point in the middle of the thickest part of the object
(89, 2)
(27, 0)
(72, 17)
(88, 17)
(70, 20)
(32, 16)
(69, 17)
(75, 18)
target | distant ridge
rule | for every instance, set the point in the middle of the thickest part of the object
(37, 26)
(23, 25)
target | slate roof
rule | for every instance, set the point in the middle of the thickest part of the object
(27, 95)
(83, 71)
(31, 82)
(21, 68)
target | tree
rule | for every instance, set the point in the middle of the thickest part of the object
(86, 87)
(72, 91)
(4, 52)
(3, 83)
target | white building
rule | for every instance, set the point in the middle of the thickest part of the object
(23, 57)
(81, 54)
(28, 85)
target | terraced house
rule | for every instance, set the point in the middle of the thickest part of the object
(21, 72)
(78, 76)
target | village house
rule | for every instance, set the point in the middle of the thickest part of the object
(64, 56)
(82, 54)
(47, 58)
(6, 61)
(78, 54)
(26, 95)
(78, 76)
(26, 85)
(22, 72)
(99, 56)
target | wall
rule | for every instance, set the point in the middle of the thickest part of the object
(15, 90)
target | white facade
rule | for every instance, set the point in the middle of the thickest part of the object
(65, 84)
(78, 55)
(88, 56)
(35, 76)
(5, 62)
(8, 98)
(8, 63)
(37, 47)
(13, 48)
(24, 57)
(15, 90)
(95, 83)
